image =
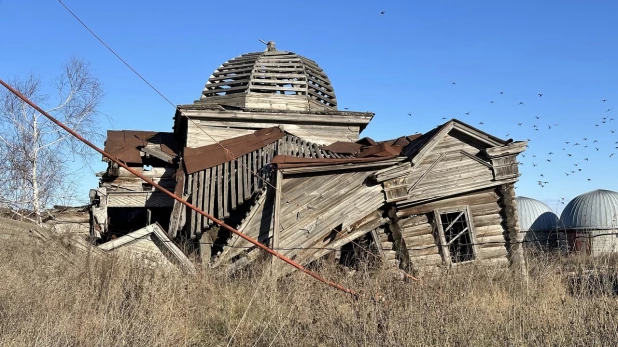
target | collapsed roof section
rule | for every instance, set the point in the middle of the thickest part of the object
(134, 146)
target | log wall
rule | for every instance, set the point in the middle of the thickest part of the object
(419, 229)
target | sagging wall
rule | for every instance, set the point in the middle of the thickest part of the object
(319, 212)
(425, 241)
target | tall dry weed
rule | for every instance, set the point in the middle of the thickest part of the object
(46, 300)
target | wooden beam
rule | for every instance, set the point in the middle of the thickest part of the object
(277, 211)
(420, 179)
(477, 159)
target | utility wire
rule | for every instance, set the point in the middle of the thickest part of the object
(233, 157)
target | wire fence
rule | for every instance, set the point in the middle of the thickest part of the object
(559, 237)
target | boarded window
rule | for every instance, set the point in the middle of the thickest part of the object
(456, 235)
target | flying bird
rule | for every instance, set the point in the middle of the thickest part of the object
(467, 113)
(382, 12)
(409, 114)
(521, 103)
(520, 123)
(540, 95)
(537, 117)
(453, 83)
(501, 93)
(604, 100)
(491, 102)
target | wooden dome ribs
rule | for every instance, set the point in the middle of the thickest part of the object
(274, 74)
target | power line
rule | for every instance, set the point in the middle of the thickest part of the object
(195, 123)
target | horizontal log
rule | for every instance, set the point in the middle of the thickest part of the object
(490, 230)
(413, 221)
(426, 260)
(487, 220)
(485, 209)
(421, 252)
(483, 197)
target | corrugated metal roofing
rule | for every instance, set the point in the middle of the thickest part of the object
(535, 215)
(597, 209)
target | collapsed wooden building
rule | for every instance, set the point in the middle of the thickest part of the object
(266, 150)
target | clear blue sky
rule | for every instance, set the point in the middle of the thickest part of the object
(393, 64)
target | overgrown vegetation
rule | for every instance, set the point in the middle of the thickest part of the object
(49, 300)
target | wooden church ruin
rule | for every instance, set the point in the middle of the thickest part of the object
(266, 150)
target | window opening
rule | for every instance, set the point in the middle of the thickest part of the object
(457, 238)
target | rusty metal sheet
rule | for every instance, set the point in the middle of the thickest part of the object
(125, 144)
(201, 158)
(287, 161)
(341, 147)
(380, 150)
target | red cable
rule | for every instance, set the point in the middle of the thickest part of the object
(177, 198)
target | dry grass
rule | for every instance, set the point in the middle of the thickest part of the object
(47, 301)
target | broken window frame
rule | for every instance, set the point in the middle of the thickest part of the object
(446, 253)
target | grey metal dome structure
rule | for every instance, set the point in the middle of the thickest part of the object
(535, 215)
(591, 222)
(594, 210)
(267, 79)
(539, 224)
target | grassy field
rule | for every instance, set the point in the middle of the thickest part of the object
(52, 300)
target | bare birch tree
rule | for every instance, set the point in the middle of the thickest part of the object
(37, 155)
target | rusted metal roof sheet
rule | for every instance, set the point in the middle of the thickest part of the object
(196, 159)
(342, 147)
(288, 162)
(357, 147)
(126, 144)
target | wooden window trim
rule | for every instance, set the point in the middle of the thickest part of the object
(446, 254)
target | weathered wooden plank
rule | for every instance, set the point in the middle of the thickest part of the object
(255, 168)
(487, 220)
(493, 252)
(419, 241)
(422, 229)
(220, 191)
(226, 189)
(206, 196)
(414, 220)
(246, 160)
(482, 197)
(212, 196)
(485, 209)
(233, 181)
(193, 184)
(491, 241)
(425, 174)
(277, 210)
(426, 260)
(200, 201)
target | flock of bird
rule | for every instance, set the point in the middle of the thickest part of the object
(560, 152)
(576, 151)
